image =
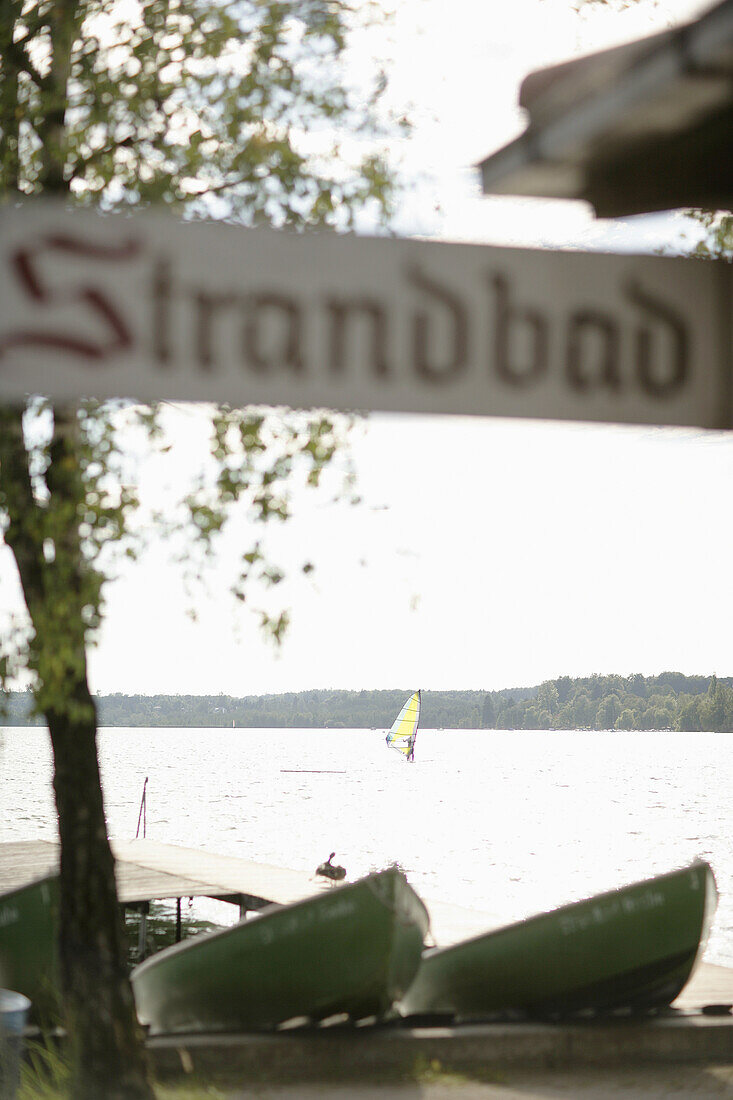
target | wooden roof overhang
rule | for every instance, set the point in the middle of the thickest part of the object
(639, 128)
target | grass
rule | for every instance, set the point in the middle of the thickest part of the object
(45, 1074)
(432, 1071)
(191, 1091)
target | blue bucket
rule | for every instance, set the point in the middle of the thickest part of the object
(14, 1009)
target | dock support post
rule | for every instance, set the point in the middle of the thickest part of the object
(178, 920)
(144, 910)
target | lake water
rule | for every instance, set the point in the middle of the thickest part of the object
(507, 822)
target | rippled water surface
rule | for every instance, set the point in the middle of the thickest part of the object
(508, 822)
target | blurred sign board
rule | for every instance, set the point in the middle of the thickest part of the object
(148, 306)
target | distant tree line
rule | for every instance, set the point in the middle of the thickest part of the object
(305, 709)
(670, 701)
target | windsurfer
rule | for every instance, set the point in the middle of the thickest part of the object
(403, 733)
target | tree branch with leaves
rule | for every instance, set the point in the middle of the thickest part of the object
(243, 111)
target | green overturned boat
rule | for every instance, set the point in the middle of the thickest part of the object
(634, 947)
(28, 944)
(350, 949)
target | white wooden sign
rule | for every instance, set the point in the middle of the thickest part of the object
(147, 306)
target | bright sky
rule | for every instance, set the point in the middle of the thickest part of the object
(486, 553)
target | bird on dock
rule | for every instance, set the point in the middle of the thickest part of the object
(330, 870)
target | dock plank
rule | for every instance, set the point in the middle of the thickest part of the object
(22, 862)
(224, 874)
(709, 985)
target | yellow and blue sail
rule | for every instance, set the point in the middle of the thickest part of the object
(404, 730)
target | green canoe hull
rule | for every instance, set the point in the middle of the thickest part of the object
(630, 948)
(351, 949)
(28, 962)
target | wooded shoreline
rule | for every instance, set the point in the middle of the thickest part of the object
(669, 701)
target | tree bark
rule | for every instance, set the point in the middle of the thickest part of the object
(10, 133)
(108, 1054)
(109, 1058)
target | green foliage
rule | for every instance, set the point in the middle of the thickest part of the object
(45, 1073)
(717, 242)
(259, 458)
(670, 701)
(192, 102)
(317, 709)
(244, 111)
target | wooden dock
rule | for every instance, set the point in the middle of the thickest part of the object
(147, 870)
